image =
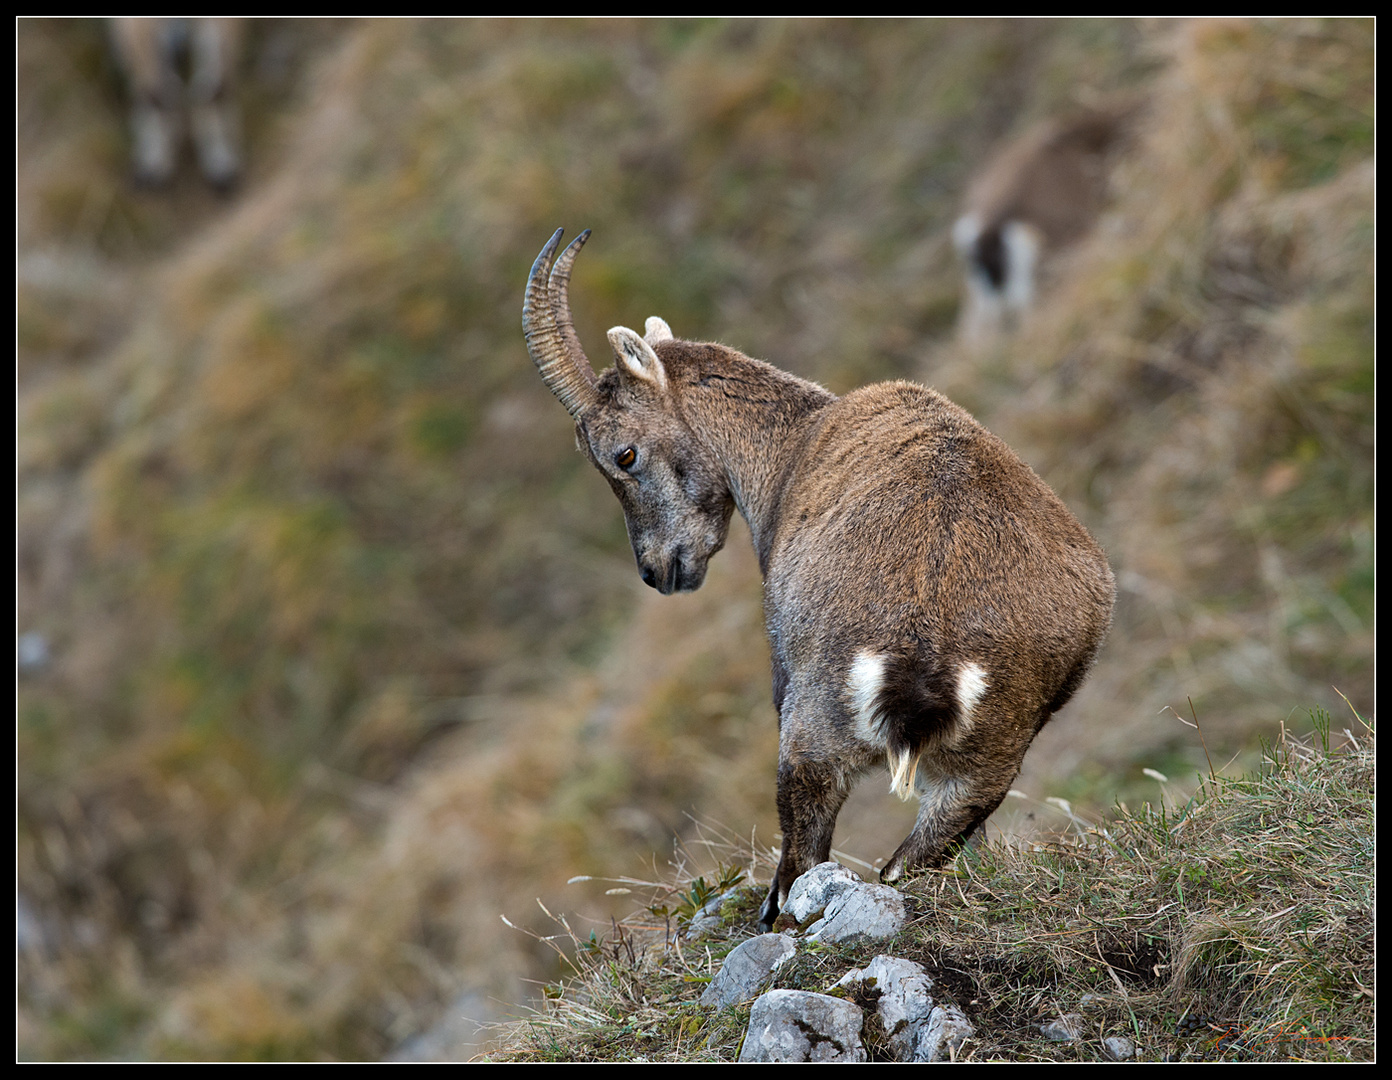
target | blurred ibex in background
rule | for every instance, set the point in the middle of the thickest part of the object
(1038, 194)
(929, 601)
(154, 54)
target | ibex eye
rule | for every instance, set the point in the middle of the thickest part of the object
(625, 458)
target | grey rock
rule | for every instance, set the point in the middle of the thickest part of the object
(795, 1025)
(873, 911)
(905, 1002)
(747, 968)
(816, 889)
(918, 1029)
(942, 1037)
(1066, 1028)
(707, 920)
(1118, 1047)
(703, 926)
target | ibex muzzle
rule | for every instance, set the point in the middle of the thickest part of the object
(929, 601)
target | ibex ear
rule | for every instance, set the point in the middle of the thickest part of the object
(636, 358)
(656, 330)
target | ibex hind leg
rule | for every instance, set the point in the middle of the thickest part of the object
(950, 810)
(810, 795)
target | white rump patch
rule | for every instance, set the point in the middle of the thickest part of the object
(864, 682)
(971, 688)
(1022, 244)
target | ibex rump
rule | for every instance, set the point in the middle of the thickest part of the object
(929, 601)
(1038, 194)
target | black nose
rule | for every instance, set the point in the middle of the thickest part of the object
(664, 581)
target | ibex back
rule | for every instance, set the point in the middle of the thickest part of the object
(930, 602)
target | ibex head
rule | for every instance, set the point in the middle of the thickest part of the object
(629, 422)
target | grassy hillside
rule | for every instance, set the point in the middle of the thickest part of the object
(346, 652)
(1236, 926)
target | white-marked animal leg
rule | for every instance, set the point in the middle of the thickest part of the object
(143, 47)
(212, 100)
(154, 135)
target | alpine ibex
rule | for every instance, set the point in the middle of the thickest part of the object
(1039, 194)
(150, 51)
(929, 601)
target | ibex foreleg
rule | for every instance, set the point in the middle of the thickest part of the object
(810, 795)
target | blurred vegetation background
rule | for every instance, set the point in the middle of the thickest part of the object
(332, 648)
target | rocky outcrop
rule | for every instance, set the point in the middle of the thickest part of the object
(748, 968)
(919, 1029)
(849, 907)
(832, 904)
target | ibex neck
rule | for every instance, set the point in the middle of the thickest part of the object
(757, 419)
